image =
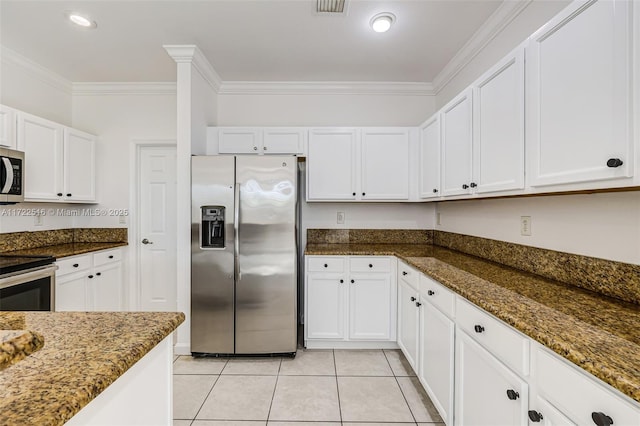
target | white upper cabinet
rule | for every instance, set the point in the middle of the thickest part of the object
(579, 71)
(59, 161)
(430, 158)
(456, 127)
(498, 126)
(79, 166)
(7, 127)
(331, 164)
(385, 164)
(42, 142)
(258, 140)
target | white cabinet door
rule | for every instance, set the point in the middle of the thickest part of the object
(71, 292)
(239, 141)
(79, 166)
(408, 317)
(282, 141)
(385, 164)
(546, 414)
(331, 164)
(579, 74)
(456, 128)
(430, 158)
(7, 127)
(436, 354)
(487, 392)
(41, 140)
(369, 306)
(498, 125)
(325, 306)
(106, 287)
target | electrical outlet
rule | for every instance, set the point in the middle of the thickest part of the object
(525, 225)
(37, 220)
(340, 218)
(122, 219)
(438, 218)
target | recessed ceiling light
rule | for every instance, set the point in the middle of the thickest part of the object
(81, 21)
(382, 22)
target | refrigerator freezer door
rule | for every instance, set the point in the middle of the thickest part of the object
(212, 268)
(266, 284)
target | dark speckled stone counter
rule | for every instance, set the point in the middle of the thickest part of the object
(83, 353)
(598, 333)
(69, 249)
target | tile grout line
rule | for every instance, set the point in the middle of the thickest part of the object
(206, 397)
(273, 395)
(401, 391)
(335, 370)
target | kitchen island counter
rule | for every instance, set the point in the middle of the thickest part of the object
(598, 333)
(83, 353)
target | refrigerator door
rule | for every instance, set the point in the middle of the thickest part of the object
(212, 263)
(266, 271)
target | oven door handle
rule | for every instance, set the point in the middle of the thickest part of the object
(5, 186)
(22, 277)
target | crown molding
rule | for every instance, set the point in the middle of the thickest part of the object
(503, 15)
(325, 88)
(131, 88)
(36, 70)
(191, 53)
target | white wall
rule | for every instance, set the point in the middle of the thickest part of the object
(118, 120)
(323, 110)
(536, 14)
(599, 225)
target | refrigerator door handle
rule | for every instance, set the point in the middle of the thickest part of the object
(236, 231)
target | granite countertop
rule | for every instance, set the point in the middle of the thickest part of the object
(64, 250)
(83, 353)
(597, 333)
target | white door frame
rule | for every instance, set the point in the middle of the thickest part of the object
(135, 148)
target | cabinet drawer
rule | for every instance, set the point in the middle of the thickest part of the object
(68, 265)
(325, 264)
(500, 339)
(107, 256)
(408, 274)
(435, 293)
(370, 264)
(576, 394)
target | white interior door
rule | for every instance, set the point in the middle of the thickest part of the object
(156, 244)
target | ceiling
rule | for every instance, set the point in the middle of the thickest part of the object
(245, 40)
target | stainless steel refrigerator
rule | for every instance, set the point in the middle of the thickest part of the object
(243, 255)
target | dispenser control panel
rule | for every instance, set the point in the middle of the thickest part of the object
(212, 226)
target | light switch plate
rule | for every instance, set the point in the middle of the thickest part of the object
(340, 218)
(525, 226)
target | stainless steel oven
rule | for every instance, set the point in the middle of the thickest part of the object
(29, 289)
(11, 176)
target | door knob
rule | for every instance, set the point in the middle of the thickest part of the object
(145, 241)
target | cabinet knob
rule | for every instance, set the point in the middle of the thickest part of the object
(75, 265)
(341, 281)
(512, 395)
(601, 419)
(90, 276)
(264, 148)
(363, 194)
(534, 416)
(418, 304)
(435, 190)
(473, 184)
(413, 299)
(404, 272)
(478, 328)
(98, 273)
(325, 265)
(354, 194)
(59, 194)
(255, 148)
(370, 265)
(68, 195)
(614, 162)
(110, 256)
(431, 292)
(465, 186)
(353, 282)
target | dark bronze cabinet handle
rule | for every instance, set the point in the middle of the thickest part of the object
(59, 194)
(363, 194)
(98, 273)
(68, 195)
(111, 257)
(341, 281)
(614, 162)
(512, 395)
(601, 419)
(413, 299)
(75, 265)
(473, 184)
(370, 265)
(354, 194)
(325, 265)
(534, 416)
(465, 186)
(431, 292)
(352, 282)
(90, 276)
(418, 304)
(478, 328)
(404, 272)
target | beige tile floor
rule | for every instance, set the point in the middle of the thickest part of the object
(316, 388)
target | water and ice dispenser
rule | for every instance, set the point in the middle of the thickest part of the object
(212, 226)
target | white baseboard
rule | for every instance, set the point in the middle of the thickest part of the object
(182, 349)
(340, 344)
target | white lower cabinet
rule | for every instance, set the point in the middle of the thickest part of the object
(90, 282)
(486, 391)
(408, 317)
(350, 301)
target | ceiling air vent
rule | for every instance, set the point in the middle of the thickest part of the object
(330, 6)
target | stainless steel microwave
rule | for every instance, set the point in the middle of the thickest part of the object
(11, 176)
